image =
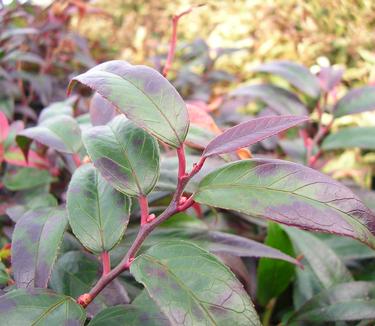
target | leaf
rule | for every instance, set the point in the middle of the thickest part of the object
(343, 302)
(193, 287)
(288, 193)
(61, 133)
(355, 101)
(14, 156)
(296, 74)
(39, 307)
(278, 99)
(326, 265)
(4, 127)
(143, 311)
(274, 276)
(250, 132)
(35, 245)
(361, 137)
(26, 178)
(98, 214)
(101, 110)
(126, 156)
(329, 78)
(56, 109)
(143, 95)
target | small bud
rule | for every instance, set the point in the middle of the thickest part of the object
(183, 199)
(84, 299)
(129, 262)
(150, 218)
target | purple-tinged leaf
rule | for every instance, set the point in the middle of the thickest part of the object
(329, 78)
(250, 132)
(355, 101)
(143, 95)
(101, 110)
(296, 74)
(40, 307)
(280, 100)
(35, 244)
(291, 194)
(361, 137)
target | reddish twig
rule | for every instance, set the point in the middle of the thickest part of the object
(173, 42)
(143, 204)
(106, 262)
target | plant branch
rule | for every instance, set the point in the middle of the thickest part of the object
(143, 204)
(176, 205)
(106, 262)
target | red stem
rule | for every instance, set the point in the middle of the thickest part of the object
(143, 204)
(106, 262)
(181, 162)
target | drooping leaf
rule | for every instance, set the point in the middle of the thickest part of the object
(193, 287)
(7, 106)
(101, 110)
(35, 245)
(329, 78)
(143, 95)
(76, 272)
(39, 307)
(143, 311)
(61, 133)
(98, 214)
(274, 276)
(326, 265)
(126, 156)
(56, 109)
(343, 302)
(26, 178)
(4, 127)
(361, 137)
(280, 100)
(288, 193)
(296, 74)
(355, 101)
(250, 132)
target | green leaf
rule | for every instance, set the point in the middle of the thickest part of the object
(143, 95)
(361, 137)
(296, 74)
(326, 265)
(274, 276)
(192, 287)
(39, 307)
(288, 193)
(143, 311)
(56, 109)
(61, 133)
(355, 101)
(343, 302)
(35, 245)
(26, 178)
(4, 276)
(97, 213)
(126, 156)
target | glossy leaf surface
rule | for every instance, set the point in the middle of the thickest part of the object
(143, 95)
(355, 101)
(35, 245)
(250, 132)
(126, 156)
(61, 133)
(98, 214)
(361, 137)
(288, 193)
(204, 290)
(296, 74)
(343, 302)
(280, 100)
(39, 307)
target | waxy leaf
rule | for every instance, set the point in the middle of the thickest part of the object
(250, 132)
(278, 99)
(143, 311)
(143, 95)
(35, 244)
(343, 302)
(126, 156)
(61, 133)
(361, 137)
(101, 111)
(355, 101)
(56, 109)
(269, 286)
(192, 287)
(326, 265)
(39, 307)
(296, 74)
(98, 214)
(288, 193)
